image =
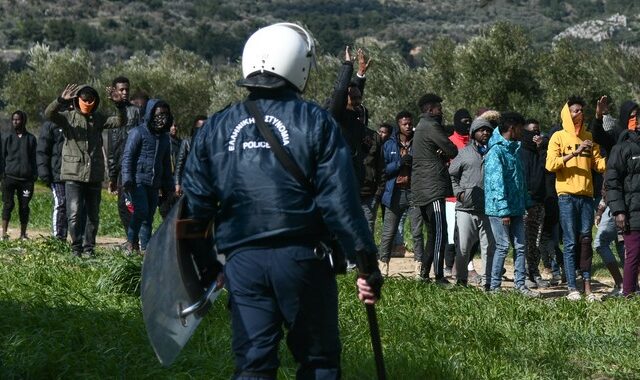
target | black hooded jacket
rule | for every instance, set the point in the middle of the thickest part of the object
(534, 172)
(607, 139)
(622, 179)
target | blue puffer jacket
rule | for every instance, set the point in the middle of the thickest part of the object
(146, 158)
(232, 175)
(505, 189)
(392, 165)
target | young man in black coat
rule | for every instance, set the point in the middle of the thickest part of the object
(19, 172)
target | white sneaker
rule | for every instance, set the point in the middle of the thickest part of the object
(591, 297)
(574, 296)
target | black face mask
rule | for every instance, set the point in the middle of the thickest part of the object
(437, 118)
(527, 139)
(160, 123)
(462, 128)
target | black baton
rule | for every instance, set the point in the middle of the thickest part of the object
(375, 341)
(372, 318)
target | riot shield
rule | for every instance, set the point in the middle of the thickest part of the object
(175, 296)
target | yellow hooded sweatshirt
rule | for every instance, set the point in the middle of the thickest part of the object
(574, 176)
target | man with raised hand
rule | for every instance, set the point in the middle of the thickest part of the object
(82, 166)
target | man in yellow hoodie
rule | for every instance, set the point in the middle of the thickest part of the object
(572, 155)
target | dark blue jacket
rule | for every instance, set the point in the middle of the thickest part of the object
(146, 158)
(392, 165)
(232, 175)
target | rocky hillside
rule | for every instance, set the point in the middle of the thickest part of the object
(216, 29)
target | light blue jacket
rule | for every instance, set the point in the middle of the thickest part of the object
(505, 189)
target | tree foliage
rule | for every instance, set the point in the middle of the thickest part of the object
(47, 72)
(500, 69)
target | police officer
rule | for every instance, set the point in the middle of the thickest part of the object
(268, 224)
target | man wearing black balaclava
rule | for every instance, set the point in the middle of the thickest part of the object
(19, 172)
(533, 165)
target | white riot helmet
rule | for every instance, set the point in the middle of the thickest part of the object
(286, 50)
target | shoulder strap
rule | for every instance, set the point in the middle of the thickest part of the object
(277, 149)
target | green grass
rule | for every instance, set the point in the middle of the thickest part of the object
(61, 317)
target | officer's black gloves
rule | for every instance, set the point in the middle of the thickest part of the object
(407, 160)
(368, 269)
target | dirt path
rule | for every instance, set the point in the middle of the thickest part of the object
(102, 241)
(404, 267)
(398, 266)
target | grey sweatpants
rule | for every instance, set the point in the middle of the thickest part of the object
(471, 228)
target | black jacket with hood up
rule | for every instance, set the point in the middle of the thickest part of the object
(607, 139)
(622, 179)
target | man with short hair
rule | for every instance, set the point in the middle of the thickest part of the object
(82, 159)
(572, 155)
(533, 165)
(467, 177)
(275, 273)
(397, 193)
(431, 184)
(19, 171)
(506, 199)
(117, 139)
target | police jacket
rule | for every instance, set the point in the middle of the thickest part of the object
(49, 152)
(432, 150)
(622, 179)
(232, 175)
(82, 158)
(146, 157)
(117, 139)
(18, 159)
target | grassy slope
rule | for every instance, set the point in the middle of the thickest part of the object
(64, 318)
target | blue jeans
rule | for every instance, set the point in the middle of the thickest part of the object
(504, 236)
(400, 201)
(576, 220)
(283, 286)
(145, 201)
(608, 233)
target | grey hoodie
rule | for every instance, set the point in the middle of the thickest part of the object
(467, 173)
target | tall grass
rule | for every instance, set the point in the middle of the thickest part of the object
(61, 317)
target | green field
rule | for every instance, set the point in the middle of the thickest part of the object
(65, 318)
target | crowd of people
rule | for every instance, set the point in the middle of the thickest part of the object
(478, 186)
(495, 182)
(490, 183)
(144, 163)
